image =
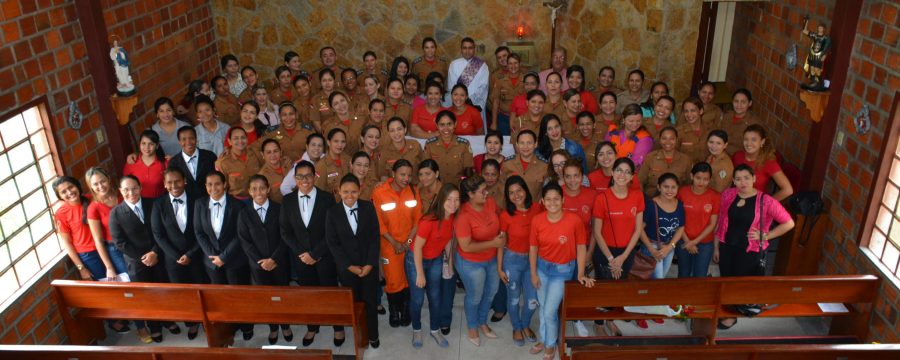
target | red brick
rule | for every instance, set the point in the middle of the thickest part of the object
(889, 14)
(38, 45)
(42, 21)
(11, 9)
(22, 50)
(10, 32)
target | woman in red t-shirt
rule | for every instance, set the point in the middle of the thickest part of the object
(701, 212)
(71, 222)
(493, 146)
(618, 222)
(512, 262)
(105, 198)
(149, 167)
(478, 234)
(422, 122)
(759, 154)
(424, 265)
(468, 118)
(577, 198)
(558, 242)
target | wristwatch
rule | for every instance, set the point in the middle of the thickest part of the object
(673, 245)
(79, 267)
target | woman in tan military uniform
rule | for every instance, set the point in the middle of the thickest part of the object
(490, 171)
(659, 120)
(335, 164)
(692, 130)
(376, 116)
(712, 113)
(361, 167)
(573, 105)
(554, 103)
(399, 147)
(228, 108)
(238, 163)
(282, 90)
(429, 62)
(371, 88)
(508, 86)
(354, 93)
(607, 116)
(606, 79)
(291, 135)
(274, 167)
(526, 163)
(429, 181)
(735, 121)
(452, 153)
(370, 143)
(665, 160)
(345, 120)
(370, 69)
(588, 138)
(307, 109)
(719, 160)
(320, 100)
(394, 105)
(293, 63)
(532, 119)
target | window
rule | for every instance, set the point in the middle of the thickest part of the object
(880, 237)
(28, 240)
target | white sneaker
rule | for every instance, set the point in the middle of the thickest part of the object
(580, 329)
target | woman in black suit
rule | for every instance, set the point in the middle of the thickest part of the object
(173, 230)
(215, 224)
(260, 236)
(303, 230)
(129, 227)
(352, 233)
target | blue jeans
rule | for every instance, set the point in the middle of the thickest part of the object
(695, 265)
(116, 257)
(553, 281)
(432, 270)
(516, 267)
(662, 267)
(93, 263)
(481, 281)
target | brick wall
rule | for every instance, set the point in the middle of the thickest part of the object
(873, 79)
(43, 55)
(762, 33)
(171, 42)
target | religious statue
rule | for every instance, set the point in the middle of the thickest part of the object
(815, 60)
(119, 56)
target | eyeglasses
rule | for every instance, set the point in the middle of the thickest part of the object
(305, 176)
(622, 171)
(559, 165)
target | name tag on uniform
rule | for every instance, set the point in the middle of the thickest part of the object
(333, 174)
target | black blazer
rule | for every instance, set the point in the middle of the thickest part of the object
(226, 246)
(206, 163)
(132, 238)
(261, 240)
(348, 248)
(300, 238)
(168, 236)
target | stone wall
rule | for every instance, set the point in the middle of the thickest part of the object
(654, 35)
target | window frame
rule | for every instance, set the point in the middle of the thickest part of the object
(879, 183)
(41, 104)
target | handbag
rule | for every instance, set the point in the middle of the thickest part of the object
(643, 265)
(761, 265)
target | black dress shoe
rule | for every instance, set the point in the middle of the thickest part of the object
(381, 310)
(495, 318)
(123, 327)
(445, 330)
(174, 329)
(374, 343)
(157, 338)
(339, 342)
(193, 331)
(247, 335)
(288, 336)
(309, 341)
(273, 337)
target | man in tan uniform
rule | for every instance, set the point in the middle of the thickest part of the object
(526, 164)
(329, 60)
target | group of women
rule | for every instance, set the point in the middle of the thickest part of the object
(293, 181)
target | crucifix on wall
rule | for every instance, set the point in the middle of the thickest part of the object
(555, 6)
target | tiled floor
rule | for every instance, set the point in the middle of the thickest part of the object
(395, 342)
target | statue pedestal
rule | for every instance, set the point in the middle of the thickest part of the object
(123, 107)
(815, 103)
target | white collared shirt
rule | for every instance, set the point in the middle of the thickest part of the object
(192, 166)
(351, 218)
(180, 210)
(138, 210)
(306, 204)
(261, 210)
(217, 216)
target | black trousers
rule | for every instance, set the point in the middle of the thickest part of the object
(186, 274)
(736, 261)
(138, 272)
(601, 266)
(365, 289)
(235, 276)
(277, 277)
(322, 273)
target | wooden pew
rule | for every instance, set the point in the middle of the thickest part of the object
(64, 352)
(795, 296)
(216, 306)
(740, 352)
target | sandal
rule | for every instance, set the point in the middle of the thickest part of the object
(536, 349)
(488, 333)
(549, 355)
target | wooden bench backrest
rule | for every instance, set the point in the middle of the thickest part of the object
(132, 300)
(800, 290)
(37, 352)
(642, 293)
(738, 352)
(270, 304)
